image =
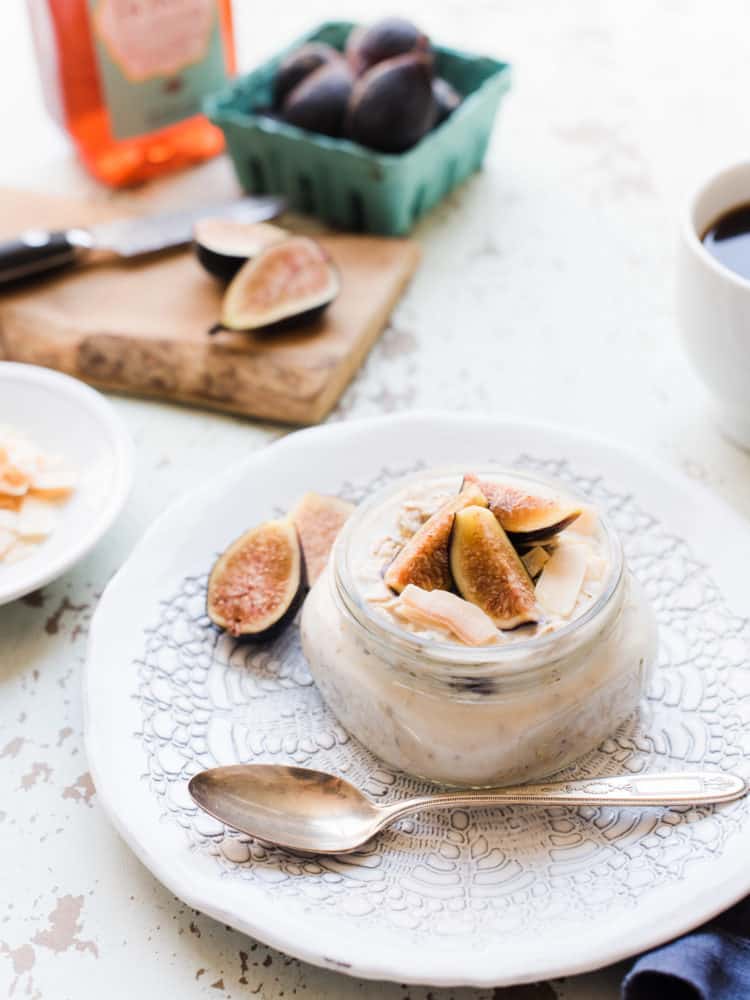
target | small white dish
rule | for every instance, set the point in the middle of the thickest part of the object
(65, 416)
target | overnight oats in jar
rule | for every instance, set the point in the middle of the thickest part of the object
(478, 629)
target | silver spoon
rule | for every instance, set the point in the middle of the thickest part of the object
(318, 813)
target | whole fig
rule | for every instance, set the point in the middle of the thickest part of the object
(319, 103)
(299, 64)
(392, 36)
(392, 105)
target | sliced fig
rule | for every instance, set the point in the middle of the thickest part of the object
(318, 520)
(488, 571)
(446, 98)
(525, 516)
(294, 279)
(300, 64)
(223, 245)
(439, 607)
(389, 37)
(320, 101)
(424, 560)
(392, 106)
(257, 583)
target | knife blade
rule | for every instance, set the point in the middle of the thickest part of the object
(38, 252)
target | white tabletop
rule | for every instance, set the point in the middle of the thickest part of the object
(546, 290)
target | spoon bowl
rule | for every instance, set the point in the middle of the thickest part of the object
(297, 808)
(312, 812)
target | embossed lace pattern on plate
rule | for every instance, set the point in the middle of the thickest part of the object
(207, 700)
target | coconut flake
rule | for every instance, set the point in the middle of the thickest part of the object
(53, 477)
(535, 560)
(439, 607)
(559, 585)
(7, 541)
(587, 522)
(37, 520)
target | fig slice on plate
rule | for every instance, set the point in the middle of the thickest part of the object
(318, 520)
(224, 245)
(289, 280)
(439, 607)
(527, 517)
(562, 578)
(488, 571)
(424, 560)
(257, 583)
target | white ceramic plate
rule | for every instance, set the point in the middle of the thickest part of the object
(478, 898)
(62, 415)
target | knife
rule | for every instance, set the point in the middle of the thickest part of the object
(41, 251)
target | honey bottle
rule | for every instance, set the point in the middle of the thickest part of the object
(125, 79)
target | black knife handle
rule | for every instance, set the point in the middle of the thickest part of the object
(38, 251)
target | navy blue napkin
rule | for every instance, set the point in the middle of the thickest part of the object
(712, 963)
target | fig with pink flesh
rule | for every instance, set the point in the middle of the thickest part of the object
(224, 245)
(389, 37)
(318, 520)
(527, 517)
(424, 560)
(488, 571)
(256, 585)
(294, 279)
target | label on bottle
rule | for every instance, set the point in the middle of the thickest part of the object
(157, 60)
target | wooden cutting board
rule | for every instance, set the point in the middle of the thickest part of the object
(142, 327)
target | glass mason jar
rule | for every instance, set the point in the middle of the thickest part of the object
(492, 715)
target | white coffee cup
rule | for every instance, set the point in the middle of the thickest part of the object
(713, 303)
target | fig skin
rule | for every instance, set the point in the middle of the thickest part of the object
(222, 246)
(269, 291)
(488, 571)
(389, 37)
(392, 106)
(424, 560)
(256, 585)
(319, 102)
(446, 98)
(318, 520)
(525, 517)
(299, 64)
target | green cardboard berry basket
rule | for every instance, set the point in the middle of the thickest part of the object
(342, 182)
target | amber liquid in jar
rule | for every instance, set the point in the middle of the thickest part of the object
(70, 36)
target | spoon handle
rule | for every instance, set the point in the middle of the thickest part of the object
(675, 788)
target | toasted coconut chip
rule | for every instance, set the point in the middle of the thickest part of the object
(9, 503)
(534, 560)
(37, 519)
(439, 607)
(587, 522)
(53, 478)
(14, 481)
(7, 541)
(559, 585)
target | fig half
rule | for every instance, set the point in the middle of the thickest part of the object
(290, 280)
(224, 245)
(318, 520)
(488, 571)
(256, 585)
(424, 560)
(525, 516)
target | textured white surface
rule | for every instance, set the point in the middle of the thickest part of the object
(546, 289)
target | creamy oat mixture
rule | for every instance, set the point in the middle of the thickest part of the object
(580, 553)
